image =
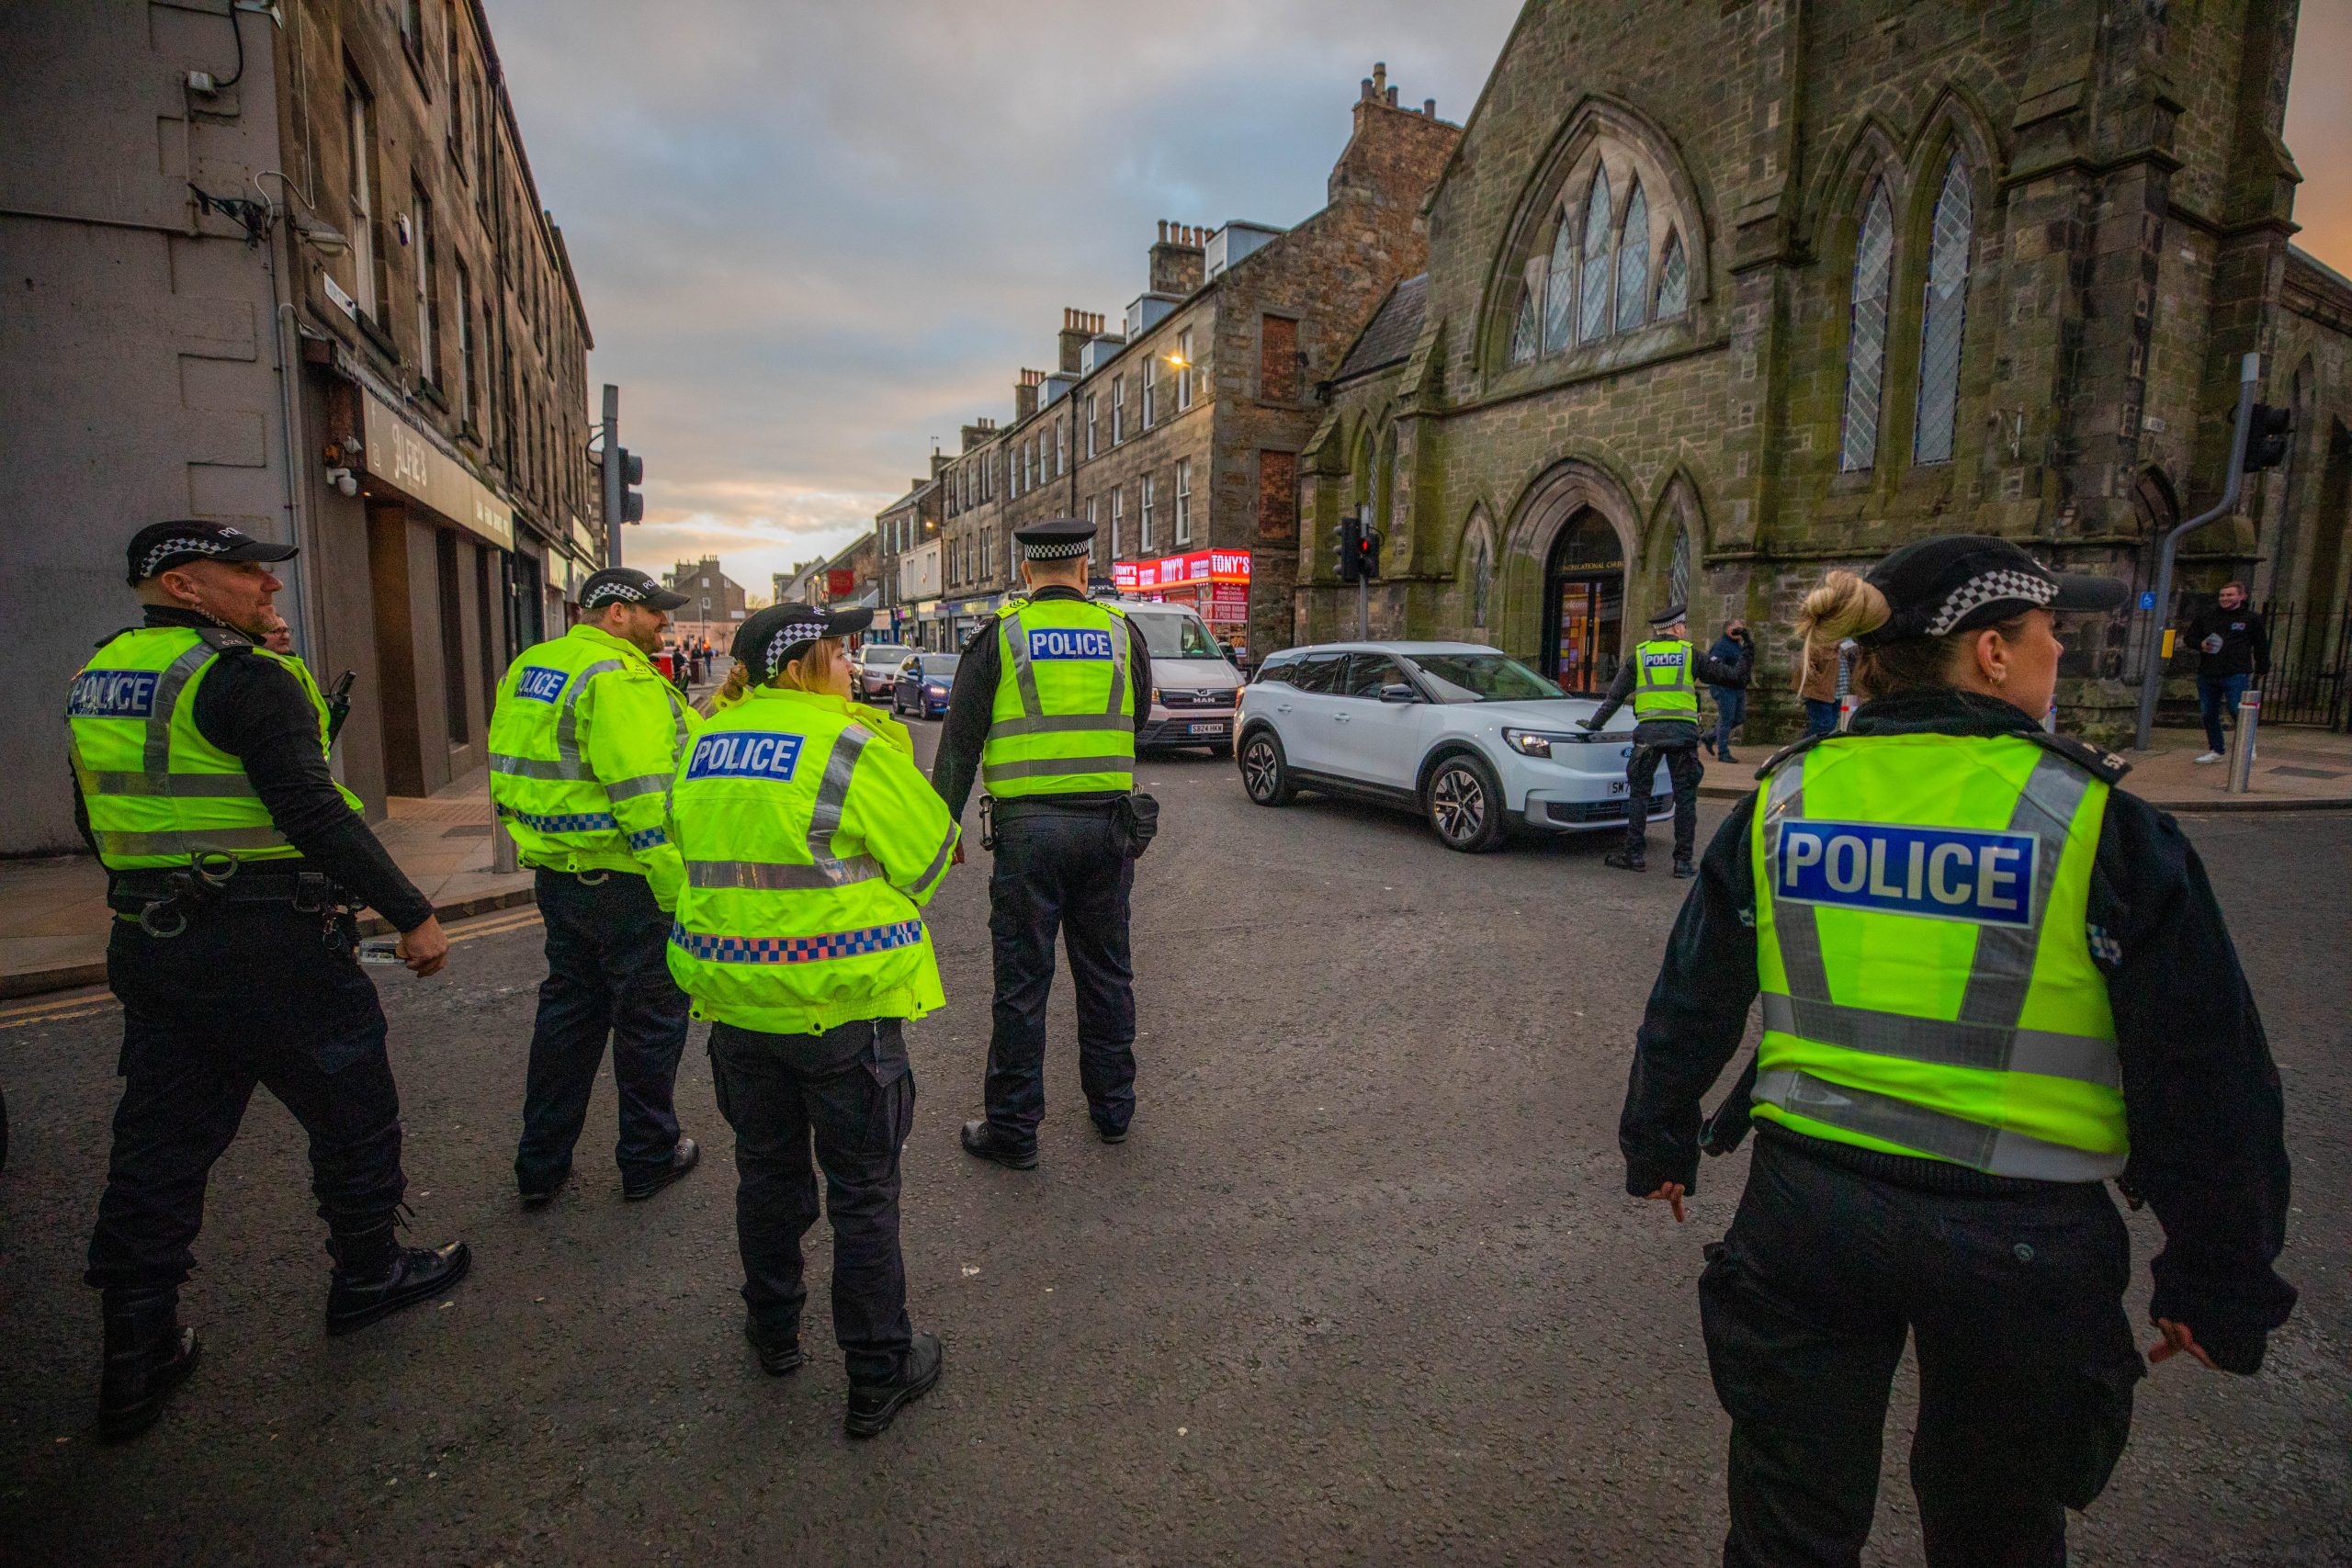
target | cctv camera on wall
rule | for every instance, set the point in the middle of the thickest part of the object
(343, 481)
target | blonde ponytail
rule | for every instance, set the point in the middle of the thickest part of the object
(1842, 606)
(730, 691)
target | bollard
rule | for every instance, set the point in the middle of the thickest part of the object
(501, 847)
(2241, 743)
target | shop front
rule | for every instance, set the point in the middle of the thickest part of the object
(1214, 582)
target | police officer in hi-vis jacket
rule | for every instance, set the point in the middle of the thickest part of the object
(1991, 983)
(810, 843)
(233, 861)
(1662, 680)
(584, 742)
(1045, 710)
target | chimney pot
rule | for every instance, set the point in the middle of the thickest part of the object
(1380, 73)
(1392, 98)
(1429, 109)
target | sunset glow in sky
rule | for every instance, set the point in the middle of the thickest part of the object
(814, 238)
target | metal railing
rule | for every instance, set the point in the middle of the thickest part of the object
(2311, 665)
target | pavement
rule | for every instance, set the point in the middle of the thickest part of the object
(1361, 1288)
(54, 920)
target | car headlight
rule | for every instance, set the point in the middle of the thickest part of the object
(1155, 696)
(936, 691)
(1538, 743)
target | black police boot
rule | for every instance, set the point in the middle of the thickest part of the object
(1682, 867)
(1624, 861)
(984, 1141)
(873, 1406)
(541, 1192)
(1110, 1135)
(375, 1275)
(779, 1347)
(682, 1158)
(148, 1355)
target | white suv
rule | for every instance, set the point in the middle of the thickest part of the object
(1466, 735)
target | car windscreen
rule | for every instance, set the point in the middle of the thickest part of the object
(1176, 637)
(1483, 678)
(939, 666)
(883, 652)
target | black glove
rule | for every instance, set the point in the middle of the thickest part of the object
(1587, 724)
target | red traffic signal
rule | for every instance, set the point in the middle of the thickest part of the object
(2267, 436)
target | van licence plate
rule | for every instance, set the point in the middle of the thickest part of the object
(1204, 729)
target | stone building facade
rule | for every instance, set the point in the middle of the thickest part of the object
(1713, 305)
(287, 269)
(899, 528)
(1178, 432)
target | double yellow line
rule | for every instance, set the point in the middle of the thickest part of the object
(63, 1006)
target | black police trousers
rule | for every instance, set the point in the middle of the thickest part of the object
(1065, 869)
(608, 974)
(2014, 1305)
(1683, 767)
(248, 995)
(850, 1092)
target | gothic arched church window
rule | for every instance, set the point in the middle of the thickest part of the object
(1592, 319)
(1941, 316)
(1673, 280)
(1634, 262)
(1866, 343)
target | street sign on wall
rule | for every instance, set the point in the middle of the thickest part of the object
(396, 454)
(840, 583)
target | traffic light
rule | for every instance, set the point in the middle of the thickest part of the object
(632, 475)
(2267, 436)
(1368, 554)
(1350, 549)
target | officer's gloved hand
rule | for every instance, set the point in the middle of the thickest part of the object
(1587, 723)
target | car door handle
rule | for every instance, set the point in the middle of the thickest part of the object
(1339, 718)
(1282, 707)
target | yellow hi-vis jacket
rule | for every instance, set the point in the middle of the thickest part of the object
(810, 843)
(1922, 949)
(582, 743)
(1662, 687)
(156, 790)
(1064, 720)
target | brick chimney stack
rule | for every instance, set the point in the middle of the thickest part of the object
(1396, 152)
(1025, 394)
(1178, 258)
(1075, 331)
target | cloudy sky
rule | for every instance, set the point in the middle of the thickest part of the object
(816, 236)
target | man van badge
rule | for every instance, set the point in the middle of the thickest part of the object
(742, 756)
(1068, 642)
(112, 693)
(541, 684)
(1945, 874)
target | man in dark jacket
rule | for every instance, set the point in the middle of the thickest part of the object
(2232, 651)
(1734, 650)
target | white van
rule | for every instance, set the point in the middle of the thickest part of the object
(1193, 684)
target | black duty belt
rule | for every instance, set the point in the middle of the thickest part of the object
(1048, 806)
(132, 892)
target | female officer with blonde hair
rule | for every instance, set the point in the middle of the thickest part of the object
(811, 842)
(1991, 983)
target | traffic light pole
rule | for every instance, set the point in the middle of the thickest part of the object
(2152, 662)
(612, 473)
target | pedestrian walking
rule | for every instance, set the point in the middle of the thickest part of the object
(2232, 652)
(1660, 680)
(1818, 687)
(233, 862)
(812, 841)
(1992, 982)
(1046, 706)
(1734, 650)
(584, 742)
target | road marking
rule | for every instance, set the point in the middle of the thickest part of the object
(64, 1006)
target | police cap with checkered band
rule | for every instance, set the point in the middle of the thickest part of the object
(627, 585)
(1058, 538)
(1957, 582)
(773, 637)
(160, 547)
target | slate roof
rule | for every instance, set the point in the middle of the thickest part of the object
(1388, 338)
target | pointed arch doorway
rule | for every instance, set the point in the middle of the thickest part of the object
(1584, 603)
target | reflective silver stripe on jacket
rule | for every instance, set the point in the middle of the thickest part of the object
(644, 783)
(1064, 724)
(939, 865)
(567, 722)
(537, 768)
(1024, 676)
(1987, 1035)
(1054, 767)
(187, 787)
(1996, 1150)
(190, 841)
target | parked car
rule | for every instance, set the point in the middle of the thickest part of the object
(1193, 684)
(923, 683)
(1466, 735)
(873, 667)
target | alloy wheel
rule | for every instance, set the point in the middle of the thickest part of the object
(1458, 800)
(1260, 769)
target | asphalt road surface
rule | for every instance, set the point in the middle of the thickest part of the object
(1362, 1288)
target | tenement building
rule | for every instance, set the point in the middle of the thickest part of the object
(1178, 432)
(900, 527)
(286, 267)
(1717, 300)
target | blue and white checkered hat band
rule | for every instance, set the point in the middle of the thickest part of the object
(610, 593)
(1058, 549)
(208, 547)
(1990, 588)
(789, 637)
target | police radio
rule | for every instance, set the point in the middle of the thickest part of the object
(338, 700)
